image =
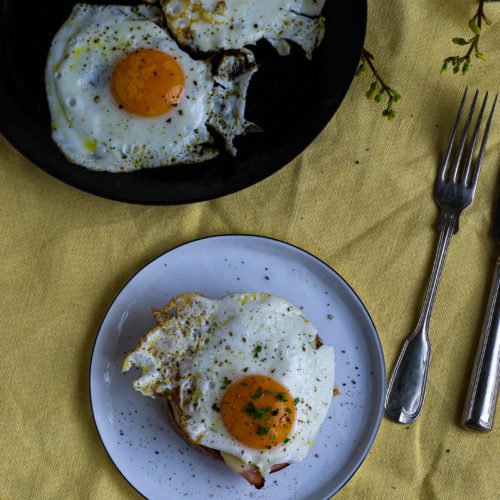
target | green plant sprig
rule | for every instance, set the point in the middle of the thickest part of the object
(378, 87)
(463, 62)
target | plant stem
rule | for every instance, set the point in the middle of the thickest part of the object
(475, 24)
(475, 41)
(368, 58)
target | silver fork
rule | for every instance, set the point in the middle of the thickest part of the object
(454, 192)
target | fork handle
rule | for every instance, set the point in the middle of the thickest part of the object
(406, 391)
(483, 390)
(408, 383)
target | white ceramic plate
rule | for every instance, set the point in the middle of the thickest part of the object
(134, 429)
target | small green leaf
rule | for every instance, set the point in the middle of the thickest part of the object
(444, 68)
(385, 112)
(465, 67)
(361, 69)
(368, 54)
(454, 61)
(373, 90)
(378, 98)
(480, 56)
(487, 20)
(459, 41)
(391, 115)
(474, 26)
(456, 69)
(397, 97)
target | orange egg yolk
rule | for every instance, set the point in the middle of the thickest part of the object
(258, 411)
(147, 82)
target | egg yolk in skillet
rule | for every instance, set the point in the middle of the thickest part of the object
(258, 411)
(147, 82)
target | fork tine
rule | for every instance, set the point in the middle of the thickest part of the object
(461, 144)
(483, 146)
(472, 145)
(442, 170)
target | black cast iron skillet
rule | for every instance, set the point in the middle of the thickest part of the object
(291, 98)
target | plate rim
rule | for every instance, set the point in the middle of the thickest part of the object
(12, 135)
(378, 343)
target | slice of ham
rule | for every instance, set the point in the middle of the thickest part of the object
(249, 472)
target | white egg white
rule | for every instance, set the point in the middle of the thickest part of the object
(211, 25)
(228, 97)
(200, 344)
(88, 124)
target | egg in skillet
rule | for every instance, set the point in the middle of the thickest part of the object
(123, 96)
(244, 376)
(211, 25)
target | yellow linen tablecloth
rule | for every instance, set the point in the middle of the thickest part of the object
(360, 198)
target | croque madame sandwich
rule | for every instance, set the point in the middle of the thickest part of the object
(246, 378)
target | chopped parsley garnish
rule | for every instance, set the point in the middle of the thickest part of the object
(296, 401)
(288, 410)
(262, 412)
(244, 383)
(285, 426)
(262, 431)
(280, 395)
(256, 413)
(250, 409)
(272, 436)
(225, 383)
(258, 394)
(258, 348)
(167, 392)
(286, 440)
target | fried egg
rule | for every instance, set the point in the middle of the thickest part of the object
(244, 374)
(123, 96)
(211, 25)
